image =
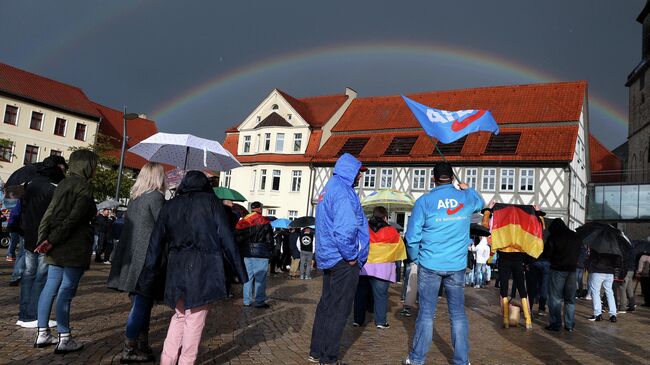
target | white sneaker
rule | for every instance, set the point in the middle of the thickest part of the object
(45, 338)
(67, 344)
(51, 323)
(30, 324)
(19, 323)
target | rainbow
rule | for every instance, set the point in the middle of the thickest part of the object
(489, 62)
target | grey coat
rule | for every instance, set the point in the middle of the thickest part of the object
(131, 251)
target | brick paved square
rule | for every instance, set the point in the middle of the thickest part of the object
(281, 335)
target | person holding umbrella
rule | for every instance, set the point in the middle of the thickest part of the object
(193, 240)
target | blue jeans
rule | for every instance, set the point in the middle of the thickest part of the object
(379, 291)
(429, 282)
(19, 264)
(31, 285)
(562, 287)
(480, 274)
(139, 317)
(14, 239)
(256, 269)
(579, 274)
(61, 283)
(595, 282)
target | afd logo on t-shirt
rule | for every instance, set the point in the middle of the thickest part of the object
(452, 205)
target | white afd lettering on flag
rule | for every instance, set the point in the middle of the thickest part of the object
(443, 116)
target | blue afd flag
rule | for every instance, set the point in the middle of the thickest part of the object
(449, 126)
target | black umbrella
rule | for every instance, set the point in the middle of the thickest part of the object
(23, 174)
(478, 230)
(302, 222)
(603, 238)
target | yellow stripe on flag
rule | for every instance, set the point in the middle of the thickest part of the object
(381, 252)
(513, 236)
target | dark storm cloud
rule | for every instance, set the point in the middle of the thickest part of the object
(145, 53)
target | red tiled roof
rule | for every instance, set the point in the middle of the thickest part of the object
(535, 103)
(539, 143)
(23, 84)
(604, 165)
(137, 130)
(316, 110)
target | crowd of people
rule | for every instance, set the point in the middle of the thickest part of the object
(166, 247)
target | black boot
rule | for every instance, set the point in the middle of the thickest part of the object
(144, 348)
(130, 352)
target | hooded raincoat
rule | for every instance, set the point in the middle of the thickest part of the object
(341, 226)
(193, 235)
(66, 223)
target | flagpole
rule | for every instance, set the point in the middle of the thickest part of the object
(444, 159)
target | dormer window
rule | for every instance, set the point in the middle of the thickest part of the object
(275, 107)
(297, 142)
(267, 142)
(279, 142)
(247, 144)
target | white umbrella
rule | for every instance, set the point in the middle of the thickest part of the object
(108, 204)
(186, 151)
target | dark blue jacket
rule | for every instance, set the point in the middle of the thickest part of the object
(191, 240)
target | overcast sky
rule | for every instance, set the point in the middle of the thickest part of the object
(202, 66)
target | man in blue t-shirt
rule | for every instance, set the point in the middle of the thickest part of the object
(437, 236)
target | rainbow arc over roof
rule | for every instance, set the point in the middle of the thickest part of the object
(471, 58)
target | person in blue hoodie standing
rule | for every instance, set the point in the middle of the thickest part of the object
(437, 236)
(343, 242)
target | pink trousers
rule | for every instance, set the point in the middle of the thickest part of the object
(184, 335)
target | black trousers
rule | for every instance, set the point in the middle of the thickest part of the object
(512, 263)
(645, 289)
(339, 288)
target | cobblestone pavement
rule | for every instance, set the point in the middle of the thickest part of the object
(281, 335)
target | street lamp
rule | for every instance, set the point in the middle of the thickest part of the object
(125, 117)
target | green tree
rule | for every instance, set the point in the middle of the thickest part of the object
(105, 180)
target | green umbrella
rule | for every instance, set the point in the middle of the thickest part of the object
(224, 193)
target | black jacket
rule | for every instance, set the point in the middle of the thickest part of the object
(191, 240)
(604, 263)
(38, 195)
(562, 247)
(254, 236)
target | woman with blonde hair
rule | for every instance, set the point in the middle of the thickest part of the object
(147, 198)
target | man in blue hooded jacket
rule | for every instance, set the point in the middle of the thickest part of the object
(343, 241)
(437, 237)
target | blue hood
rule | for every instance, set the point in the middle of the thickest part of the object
(347, 167)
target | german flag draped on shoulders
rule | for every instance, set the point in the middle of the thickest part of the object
(516, 228)
(386, 247)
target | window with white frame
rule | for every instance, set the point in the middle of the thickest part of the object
(293, 214)
(247, 144)
(471, 178)
(275, 186)
(59, 127)
(370, 178)
(253, 180)
(279, 142)
(56, 153)
(419, 179)
(297, 142)
(257, 143)
(432, 180)
(11, 115)
(507, 180)
(526, 180)
(227, 177)
(37, 121)
(31, 154)
(6, 152)
(262, 179)
(271, 212)
(296, 178)
(267, 142)
(80, 132)
(489, 179)
(386, 181)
